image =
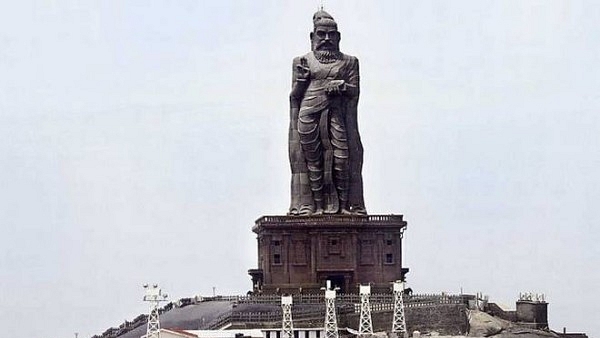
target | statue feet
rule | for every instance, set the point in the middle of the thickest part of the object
(358, 210)
(345, 211)
(306, 210)
(318, 208)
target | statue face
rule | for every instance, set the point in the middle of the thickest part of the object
(325, 38)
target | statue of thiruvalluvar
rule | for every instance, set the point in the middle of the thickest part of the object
(325, 151)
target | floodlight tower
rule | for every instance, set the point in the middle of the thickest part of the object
(153, 296)
(399, 323)
(331, 327)
(287, 327)
(365, 328)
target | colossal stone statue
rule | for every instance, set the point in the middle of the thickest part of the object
(325, 151)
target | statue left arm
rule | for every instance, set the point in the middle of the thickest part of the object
(353, 79)
(348, 85)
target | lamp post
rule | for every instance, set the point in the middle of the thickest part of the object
(153, 296)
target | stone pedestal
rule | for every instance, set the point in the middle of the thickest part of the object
(298, 254)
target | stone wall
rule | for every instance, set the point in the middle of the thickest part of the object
(446, 319)
(496, 311)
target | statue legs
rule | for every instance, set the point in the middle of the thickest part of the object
(310, 140)
(339, 142)
(326, 129)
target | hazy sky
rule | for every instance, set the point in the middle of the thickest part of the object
(141, 139)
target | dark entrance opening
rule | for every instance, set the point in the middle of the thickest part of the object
(338, 281)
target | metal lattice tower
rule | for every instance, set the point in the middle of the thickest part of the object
(365, 327)
(398, 323)
(331, 327)
(287, 327)
(153, 296)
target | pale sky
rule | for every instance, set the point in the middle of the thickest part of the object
(141, 140)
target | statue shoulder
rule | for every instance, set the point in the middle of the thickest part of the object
(350, 58)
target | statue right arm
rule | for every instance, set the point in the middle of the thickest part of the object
(300, 80)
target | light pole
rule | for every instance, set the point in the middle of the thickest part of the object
(287, 327)
(399, 323)
(153, 296)
(365, 328)
(331, 327)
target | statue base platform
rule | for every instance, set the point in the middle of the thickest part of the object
(298, 254)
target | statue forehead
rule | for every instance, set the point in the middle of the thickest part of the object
(328, 28)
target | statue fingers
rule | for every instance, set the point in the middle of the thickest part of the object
(303, 68)
(304, 62)
(303, 72)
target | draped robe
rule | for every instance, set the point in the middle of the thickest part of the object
(314, 100)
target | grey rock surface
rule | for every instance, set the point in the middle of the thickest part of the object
(190, 317)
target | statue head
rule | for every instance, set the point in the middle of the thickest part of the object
(325, 36)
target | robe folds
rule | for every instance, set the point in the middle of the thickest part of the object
(314, 103)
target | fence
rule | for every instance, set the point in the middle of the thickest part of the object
(272, 316)
(383, 298)
(333, 219)
(345, 303)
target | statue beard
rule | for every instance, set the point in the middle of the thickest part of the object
(328, 56)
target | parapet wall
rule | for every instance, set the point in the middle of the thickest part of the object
(442, 313)
(445, 314)
(446, 319)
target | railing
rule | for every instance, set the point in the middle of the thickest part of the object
(424, 299)
(414, 301)
(432, 299)
(312, 298)
(345, 303)
(332, 219)
(271, 316)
